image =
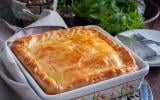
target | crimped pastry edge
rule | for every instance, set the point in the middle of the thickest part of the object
(48, 84)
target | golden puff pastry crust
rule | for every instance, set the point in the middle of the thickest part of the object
(66, 59)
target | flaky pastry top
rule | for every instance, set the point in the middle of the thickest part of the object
(70, 58)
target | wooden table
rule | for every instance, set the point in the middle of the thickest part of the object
(154, 80)
(153, 76)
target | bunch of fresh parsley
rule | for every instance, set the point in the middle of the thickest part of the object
(115, 16)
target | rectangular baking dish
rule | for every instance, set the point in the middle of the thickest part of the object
(106, 89)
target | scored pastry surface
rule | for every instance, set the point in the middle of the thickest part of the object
(66, 59)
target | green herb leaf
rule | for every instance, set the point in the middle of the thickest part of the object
(115, 16)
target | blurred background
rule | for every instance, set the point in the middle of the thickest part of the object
(17, 13)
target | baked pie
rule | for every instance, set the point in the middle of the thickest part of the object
(65, 59)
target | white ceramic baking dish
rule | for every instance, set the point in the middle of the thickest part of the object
(106, 89)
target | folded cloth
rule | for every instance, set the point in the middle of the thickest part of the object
(154, 61)
(49, 18)
(30, 13)
(13, 84)
(7, 93)
(19, 10)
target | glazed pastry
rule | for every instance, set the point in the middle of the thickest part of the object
(66, 59)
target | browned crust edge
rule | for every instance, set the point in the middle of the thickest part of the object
(49, 85)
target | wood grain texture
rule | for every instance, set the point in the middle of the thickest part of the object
(153, 79)
(154, 74)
